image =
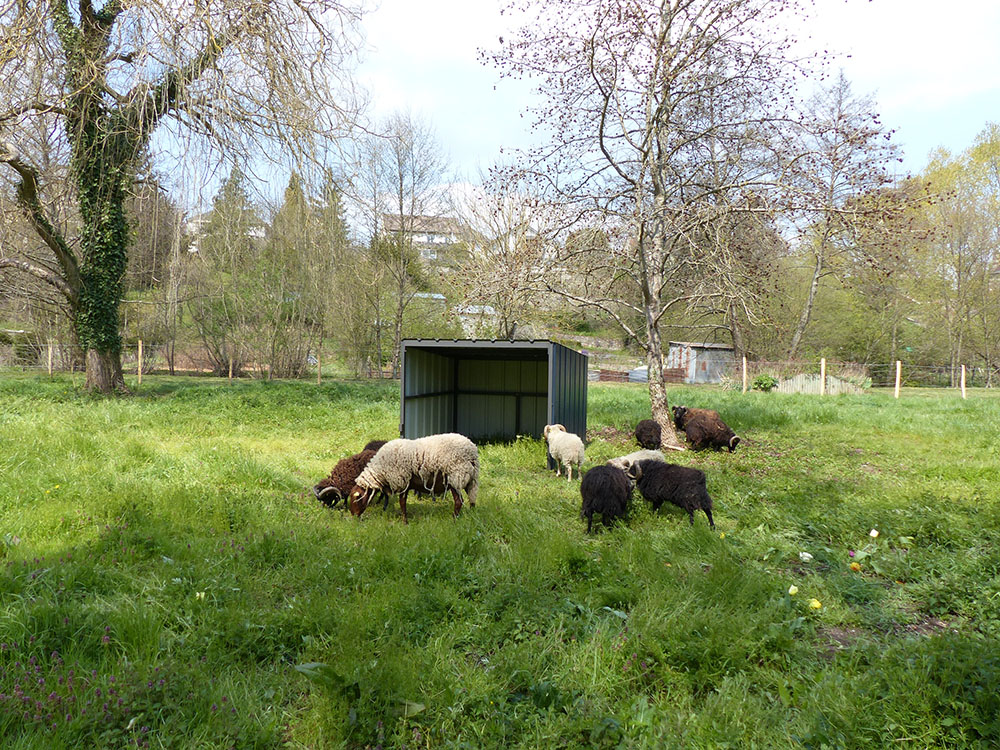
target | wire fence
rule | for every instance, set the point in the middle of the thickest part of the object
(157, 360)
(820, 376)
(857, 377)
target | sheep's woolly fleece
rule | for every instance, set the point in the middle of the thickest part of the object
(649, 434)
(605, 490)
(624, 462)
(565, 447)
(450, 456)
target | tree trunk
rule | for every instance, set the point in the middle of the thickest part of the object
(397, 332)
(800, 329)
(104, 372)
(657, 389)
(739, 347)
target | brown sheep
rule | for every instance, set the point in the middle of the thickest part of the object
(649, 434)
(336, 487)
(704, 428)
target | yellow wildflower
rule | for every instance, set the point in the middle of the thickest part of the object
(815, 604)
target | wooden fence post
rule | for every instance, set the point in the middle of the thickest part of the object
(963, 381)
(899, 372)
(50, 359)
(319, 367)
(822, 376)
(138, 367)
(744, 374)
(231, 374)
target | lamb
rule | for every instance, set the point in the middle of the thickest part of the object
(648, 434)
(435, 464)
(337, 486)
(705, 428)
(683, 486)
(624, 462)
(605, 490)
(566, 448)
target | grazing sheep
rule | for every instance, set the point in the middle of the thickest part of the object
(705, 428)
(374, 445)
(337, 486)
(566, 448)
(683, 486)
(605, 490)
(435, 464)
(648, 434)
(624, 462)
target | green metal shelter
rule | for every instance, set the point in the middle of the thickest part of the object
(491, 390)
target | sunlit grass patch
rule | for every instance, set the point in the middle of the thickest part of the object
(172, 536)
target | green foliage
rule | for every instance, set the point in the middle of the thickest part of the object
(168, 548)
(765, 383)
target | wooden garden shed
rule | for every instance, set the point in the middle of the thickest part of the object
(491, 390)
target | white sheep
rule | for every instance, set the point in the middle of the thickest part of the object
(434, 464)
(624, 462)
(566, 448)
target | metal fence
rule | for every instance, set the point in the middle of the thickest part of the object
(804, 375)
(56, 358)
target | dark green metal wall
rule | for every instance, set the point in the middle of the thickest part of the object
(491, 390)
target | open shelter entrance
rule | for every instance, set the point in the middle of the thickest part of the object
(491, 390)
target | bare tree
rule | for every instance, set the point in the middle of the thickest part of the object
(842, 156)
(507, 253)
(648, 103)
(115, 80)
(400, 171)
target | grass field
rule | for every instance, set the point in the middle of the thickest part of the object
(167, 580)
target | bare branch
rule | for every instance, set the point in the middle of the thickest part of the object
(43, 274)
(27, 197)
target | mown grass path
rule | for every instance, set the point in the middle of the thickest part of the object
(167, 580)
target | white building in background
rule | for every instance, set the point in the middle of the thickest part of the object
(700, 363)
(431, 235)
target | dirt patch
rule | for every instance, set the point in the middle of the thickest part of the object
(610, 434)
(926, 627)
(836, 639)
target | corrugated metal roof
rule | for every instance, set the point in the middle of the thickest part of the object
(700, 345)
(488, 348)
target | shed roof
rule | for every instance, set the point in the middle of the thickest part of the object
(536, 349)
(698, 345)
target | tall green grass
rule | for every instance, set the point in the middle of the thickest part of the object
(168, 580)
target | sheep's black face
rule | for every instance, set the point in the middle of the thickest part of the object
(679, 412)
(327, 494)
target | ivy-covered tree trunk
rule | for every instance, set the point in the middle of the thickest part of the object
(108, 72)
(103, 258)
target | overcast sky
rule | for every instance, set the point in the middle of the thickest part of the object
(933, 67)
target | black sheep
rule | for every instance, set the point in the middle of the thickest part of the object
(648, 434)
(605, 490)
(683, 486)
(336, 487)
(374, 445)
(705, 428)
